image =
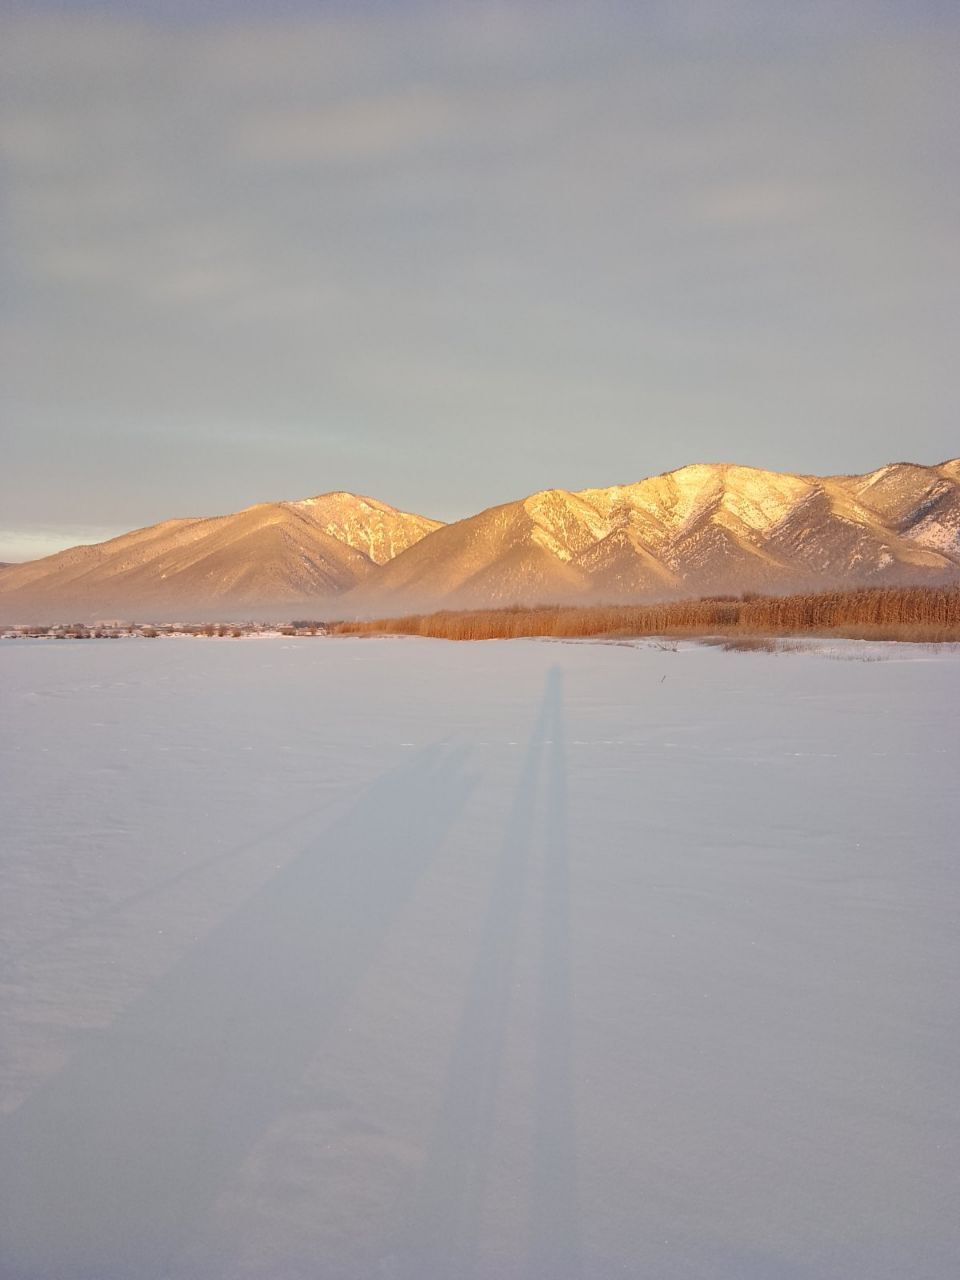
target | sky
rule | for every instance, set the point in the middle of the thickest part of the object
(448, 255)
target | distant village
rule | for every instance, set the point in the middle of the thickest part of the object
(116, 630)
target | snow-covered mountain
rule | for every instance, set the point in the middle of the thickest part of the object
(268, 557)
(704, 529)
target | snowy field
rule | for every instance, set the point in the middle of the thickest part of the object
(345, 958)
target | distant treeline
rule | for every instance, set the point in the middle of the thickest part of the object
(928, 614)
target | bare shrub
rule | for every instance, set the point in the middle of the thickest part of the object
(752, 644)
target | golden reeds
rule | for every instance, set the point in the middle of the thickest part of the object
(927, 614)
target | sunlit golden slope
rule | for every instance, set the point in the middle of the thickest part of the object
(270, 556)
(704, 529)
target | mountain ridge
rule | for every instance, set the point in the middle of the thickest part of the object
(704, 528)
(273, 554)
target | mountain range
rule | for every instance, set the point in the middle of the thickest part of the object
(703, 529)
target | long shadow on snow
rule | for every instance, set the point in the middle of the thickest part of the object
(109, 1168)
(555, 1216)
(444, 1226)
(10, 963)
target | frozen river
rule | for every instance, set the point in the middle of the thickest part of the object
(342, 958)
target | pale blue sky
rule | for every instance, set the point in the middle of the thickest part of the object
(447, 255)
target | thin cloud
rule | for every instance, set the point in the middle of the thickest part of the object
(368, 240)
(28, 543)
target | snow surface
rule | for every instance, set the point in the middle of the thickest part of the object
(400, 958)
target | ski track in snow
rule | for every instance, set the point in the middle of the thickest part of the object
(510, 960)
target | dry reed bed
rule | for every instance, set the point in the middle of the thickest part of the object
(924, 614)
